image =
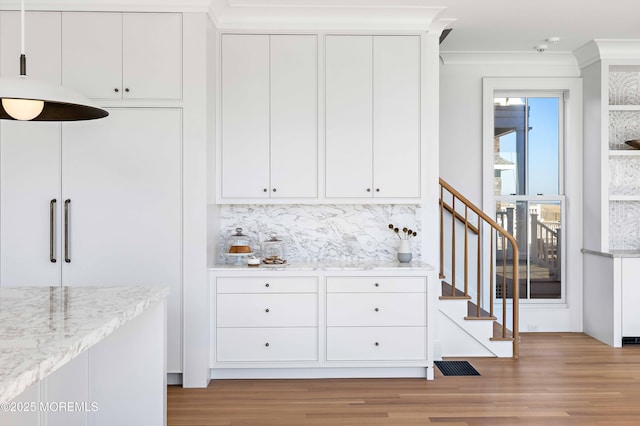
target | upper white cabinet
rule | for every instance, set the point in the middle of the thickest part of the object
(123, 55)
(372, 102)
(349, 118)
(269, 116)
(42, 45)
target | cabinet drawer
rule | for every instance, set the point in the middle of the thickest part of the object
(267, 310)
(267, 285)
(267, 344)
(382, 309)
(376, 284)
(376, 343)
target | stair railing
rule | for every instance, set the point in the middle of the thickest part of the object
(459, 210)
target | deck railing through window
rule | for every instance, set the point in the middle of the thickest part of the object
(467, 218)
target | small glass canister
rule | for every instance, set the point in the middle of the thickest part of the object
(239, 245)
(273, 251)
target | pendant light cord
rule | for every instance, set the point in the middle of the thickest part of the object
(22, 27)
(23, 58)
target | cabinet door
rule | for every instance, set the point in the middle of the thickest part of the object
(293, 69)
(349, 125)
(29, 159)
(29, 181)
(245, 116)
(630, 298)
(42, 45)
(152, 55)
(92, 53)
(122, 175)
(396, 116)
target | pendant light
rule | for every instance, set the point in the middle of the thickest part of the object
(27, 99)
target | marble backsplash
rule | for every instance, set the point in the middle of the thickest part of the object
(347, 233)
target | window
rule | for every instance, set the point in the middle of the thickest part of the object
(528, 188)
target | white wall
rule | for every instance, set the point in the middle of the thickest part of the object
(461, 107)
(461, 156)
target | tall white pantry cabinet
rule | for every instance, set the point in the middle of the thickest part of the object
(97, 202)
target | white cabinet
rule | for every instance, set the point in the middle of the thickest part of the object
(630, 297)
(30, 196)
(320, 322)
(372, 102)
(123, 55)
(266, 319)
(95, 203)
(269, 116)
(368, 320)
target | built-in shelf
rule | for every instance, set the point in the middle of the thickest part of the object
(623, 152)
(613, 197)
(624, 107)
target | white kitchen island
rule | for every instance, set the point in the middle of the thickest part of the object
(82, 355)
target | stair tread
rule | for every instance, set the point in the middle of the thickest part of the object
(472, 312)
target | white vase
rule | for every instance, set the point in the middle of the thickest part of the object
(404, 251)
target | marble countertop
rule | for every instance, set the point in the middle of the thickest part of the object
(330, 266)
(43, 328)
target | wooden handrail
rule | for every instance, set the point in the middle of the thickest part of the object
(505, 238)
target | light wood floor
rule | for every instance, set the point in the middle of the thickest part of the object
(560, 379)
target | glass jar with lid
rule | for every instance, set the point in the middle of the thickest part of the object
(239, 245)
(273, 250)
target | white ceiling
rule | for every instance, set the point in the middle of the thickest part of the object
(520, 25)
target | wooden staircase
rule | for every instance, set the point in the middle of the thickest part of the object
(468, 323)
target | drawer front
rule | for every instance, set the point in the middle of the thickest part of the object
(267, 285)
(376, 343)
(376, 284)
(267, 344)
(381, 309)
(267, 310)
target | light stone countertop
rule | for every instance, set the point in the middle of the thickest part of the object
(43, 328)
(330, 266)
(613, 253)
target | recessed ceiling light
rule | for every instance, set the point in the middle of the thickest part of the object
(553, 40)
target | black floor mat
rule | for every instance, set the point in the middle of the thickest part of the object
(456, 368)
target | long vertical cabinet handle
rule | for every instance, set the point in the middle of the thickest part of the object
(66, 231)
(52, 230)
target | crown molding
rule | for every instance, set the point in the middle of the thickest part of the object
(440, 25)
(327, 15)
(607, 49)
(508, 58)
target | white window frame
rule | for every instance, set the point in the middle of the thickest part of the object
(570, 169)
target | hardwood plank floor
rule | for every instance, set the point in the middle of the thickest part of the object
(560, 379)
